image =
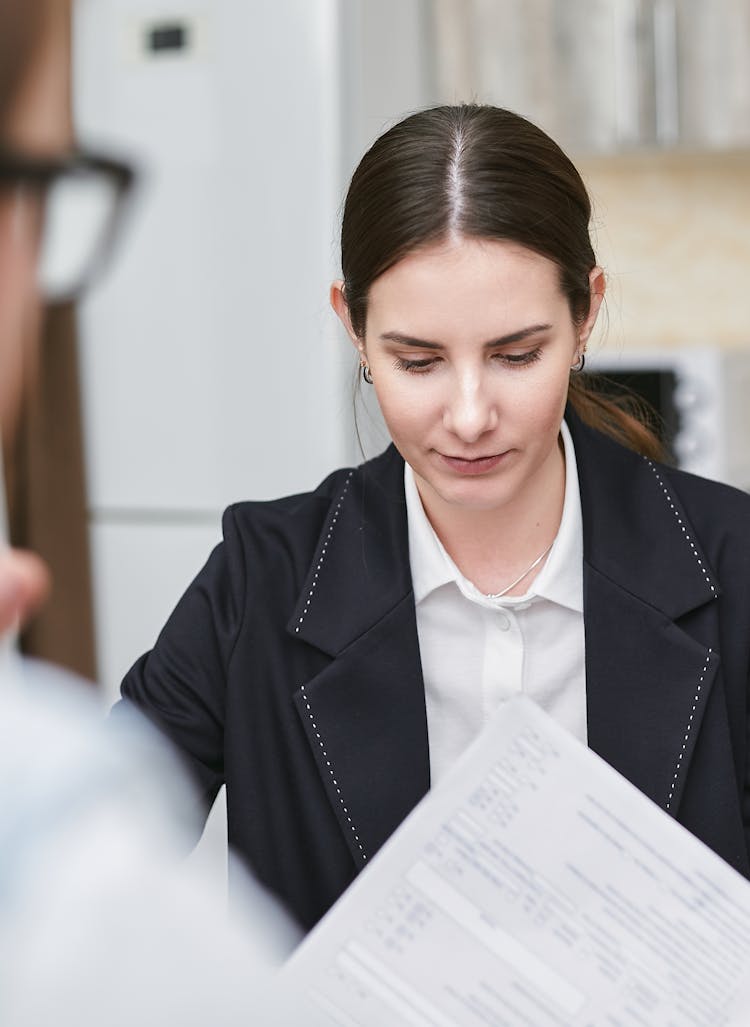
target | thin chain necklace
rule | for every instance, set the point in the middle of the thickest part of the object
(499, 595)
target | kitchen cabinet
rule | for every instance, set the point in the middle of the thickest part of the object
(602, 76)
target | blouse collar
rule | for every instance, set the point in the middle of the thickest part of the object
(560, 580)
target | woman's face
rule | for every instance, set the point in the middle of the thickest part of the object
(470, 345)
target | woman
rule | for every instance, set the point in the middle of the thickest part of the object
(341, 648)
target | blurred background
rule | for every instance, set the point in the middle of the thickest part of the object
(207, 368)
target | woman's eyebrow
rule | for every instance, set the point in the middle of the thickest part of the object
(504, 340)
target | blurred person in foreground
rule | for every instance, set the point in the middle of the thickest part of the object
(100, 920)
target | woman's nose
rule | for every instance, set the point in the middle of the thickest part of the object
(470, 410)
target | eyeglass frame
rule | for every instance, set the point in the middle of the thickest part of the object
(41, 171)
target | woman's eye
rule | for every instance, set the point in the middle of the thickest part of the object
(519, 359)
(415, 366)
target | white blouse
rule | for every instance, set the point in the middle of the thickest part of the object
(476, 651)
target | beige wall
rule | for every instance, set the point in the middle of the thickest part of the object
(673, 233)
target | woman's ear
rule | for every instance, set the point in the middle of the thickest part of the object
(597, 288)
(339, 304)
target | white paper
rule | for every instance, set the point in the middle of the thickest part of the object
(537, 887)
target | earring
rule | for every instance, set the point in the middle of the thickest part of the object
(366, 375)
(579, 364)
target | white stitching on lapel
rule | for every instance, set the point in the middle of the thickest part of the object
(333, 776)
(323, 550)
(696, 698)
(688, 539)
(304, 694)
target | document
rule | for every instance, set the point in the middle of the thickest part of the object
(535, 887)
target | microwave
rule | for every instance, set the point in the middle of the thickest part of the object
(701, 398)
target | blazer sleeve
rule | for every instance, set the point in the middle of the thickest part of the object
(180, 684)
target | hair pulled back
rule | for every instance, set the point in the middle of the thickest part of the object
(473, 171)
(478, 172)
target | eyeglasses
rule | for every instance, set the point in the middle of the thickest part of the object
(83, 200)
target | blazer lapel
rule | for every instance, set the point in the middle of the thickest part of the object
(364, 714)
(647, 683)
(647, 679)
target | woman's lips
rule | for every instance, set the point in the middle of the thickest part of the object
(478, 465)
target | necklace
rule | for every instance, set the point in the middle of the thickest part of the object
(499, 595)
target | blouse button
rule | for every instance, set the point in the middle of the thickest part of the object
(503, 622)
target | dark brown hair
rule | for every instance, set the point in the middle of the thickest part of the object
(478, 172)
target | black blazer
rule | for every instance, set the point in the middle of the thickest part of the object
(290, 669)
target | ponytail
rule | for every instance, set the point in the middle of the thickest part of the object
(624, 417)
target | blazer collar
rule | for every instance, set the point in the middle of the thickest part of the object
(635, 534)
(360, 571)
(635, 531)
